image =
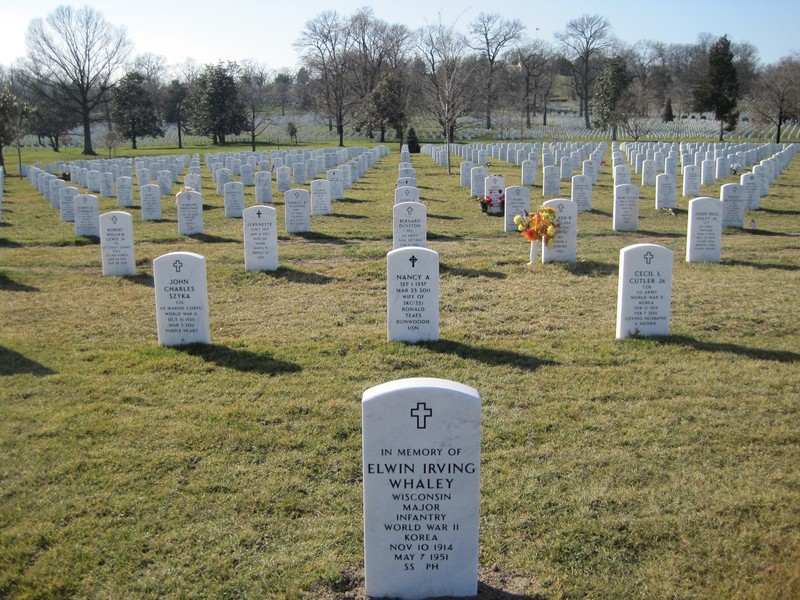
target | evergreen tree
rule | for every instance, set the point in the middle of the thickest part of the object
(719, 91)
(213, 106)
(133, 110)
(667, 116)
(612, 106)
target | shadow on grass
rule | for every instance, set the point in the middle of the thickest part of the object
(14, 363)
(240, 360)
(601, 213)
(295, 276)
(213, 239)
(755, 265)
(775, 211)
(440, 237)
(322, 238)
(348, 201)
(341, 216)
(458, 271)
(782, 356)
(656, 234)
(760, 232)
(445, 217)
(145, 279)
(590, 268)
(9, 285)
(489, 356)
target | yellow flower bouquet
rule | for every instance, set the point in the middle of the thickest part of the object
(540, 225)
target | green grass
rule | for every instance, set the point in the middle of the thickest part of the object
(645, 468)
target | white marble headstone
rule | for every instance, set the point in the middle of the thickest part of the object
(181, 298)
(704, 235)
(421, 473)
(409, 225)
(412, 287)
(190, 212)
(260, 225)
(234, 199)
(297, 205)
(644, 292)
(626, 208)
(582, 192)
(564, 246)
(320, 197)
(518, 202)
(116, 243)
(87, 215)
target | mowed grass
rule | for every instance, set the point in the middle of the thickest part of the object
(644, 468)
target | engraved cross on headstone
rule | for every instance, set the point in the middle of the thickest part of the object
(413, 260)
(648, 257)
(178, 265)
(421, 413)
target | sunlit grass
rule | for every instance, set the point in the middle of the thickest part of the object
(613, 469)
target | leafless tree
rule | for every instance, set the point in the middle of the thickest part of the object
(254, 91)
(531, 59)
(448, 84)
(584, 41)
(776, 95)
(78, 54)
(490, 35)
(326, 46)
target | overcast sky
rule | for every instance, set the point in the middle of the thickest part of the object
(264, 31)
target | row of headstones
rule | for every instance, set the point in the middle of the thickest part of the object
(412, 303)
(705, 171)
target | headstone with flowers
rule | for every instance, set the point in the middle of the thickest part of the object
(493, 200)
(539, 226)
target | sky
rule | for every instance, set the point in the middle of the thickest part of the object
(263, 30)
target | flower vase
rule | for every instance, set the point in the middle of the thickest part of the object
(534, 252)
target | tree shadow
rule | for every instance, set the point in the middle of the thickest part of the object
(240, 360)
(782, 356)
(296, 276)
(14, 363)
(601, 213)
(213, 239)
(322, 238)
(440, 237)
(776, 211)
(489, 356)
(590, 268)
(657, 234)
(9, 285)
(347, 201)
(461, 272)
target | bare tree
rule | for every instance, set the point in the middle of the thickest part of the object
(326, 46)
(77, 53)
(448, 84)
(254, 91)
(532, 59)
(491, 34)
(776, 96)
(584, 41)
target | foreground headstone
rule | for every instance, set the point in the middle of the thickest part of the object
(518, 202)
(116, 243)
(181, 299)
(412, 287)
(704, 236)
(260, 238)
(421, 472)
(644, 293)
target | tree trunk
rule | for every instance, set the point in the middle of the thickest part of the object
(721, 130)
(2, 162)
(87, 134)
(133, 142)
(340, 133)
(253, 140)
(778, 130)
(180, 141)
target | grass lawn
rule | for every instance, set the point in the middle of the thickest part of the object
(644, 468)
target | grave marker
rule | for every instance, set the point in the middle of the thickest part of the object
(564, 246)
(116, 243)
(409, 225)
(181, 298)
(704, 236)
(644, 292)
(260, 224)
(190, 212)
(412, 287)
(626, 208)
(518, 202)
(421, 473)
(87, 215)
(297, 207)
